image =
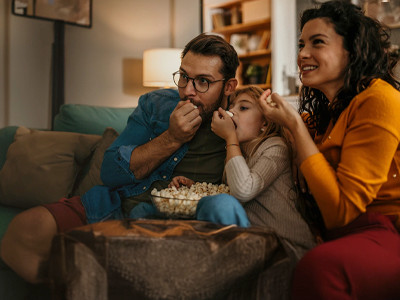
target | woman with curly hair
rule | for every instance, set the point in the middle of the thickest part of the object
(347, 146)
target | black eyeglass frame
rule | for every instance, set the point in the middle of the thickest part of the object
(194, 84)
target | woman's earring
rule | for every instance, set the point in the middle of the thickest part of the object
(262, 129)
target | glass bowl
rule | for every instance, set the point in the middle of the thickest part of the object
(175, 208)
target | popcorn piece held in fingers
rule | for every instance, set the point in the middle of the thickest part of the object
(270, 102)
(229, 113)
(195, 106)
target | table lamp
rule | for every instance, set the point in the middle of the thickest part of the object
(158, 66)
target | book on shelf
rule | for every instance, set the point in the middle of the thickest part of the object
(236, 15)
(264, 41)
(221, 17)
(268, 79)
(218, 20)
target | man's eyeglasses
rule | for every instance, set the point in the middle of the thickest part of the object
(201, 84)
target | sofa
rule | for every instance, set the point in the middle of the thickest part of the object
(94, 129)
(39, 166)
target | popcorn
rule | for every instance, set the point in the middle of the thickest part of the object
(182, 202)
(270, 102)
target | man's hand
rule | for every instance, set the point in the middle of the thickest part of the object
(177, 181)
(184, 122)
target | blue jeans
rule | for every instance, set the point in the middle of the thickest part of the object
(221, 209)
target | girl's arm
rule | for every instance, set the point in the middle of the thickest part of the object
(269, 162)
(222, 125)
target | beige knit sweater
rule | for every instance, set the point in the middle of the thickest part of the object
(265, 187)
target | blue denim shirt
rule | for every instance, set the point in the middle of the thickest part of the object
(148, 120)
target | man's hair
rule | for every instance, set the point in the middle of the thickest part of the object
(214, 45)
(368, 44)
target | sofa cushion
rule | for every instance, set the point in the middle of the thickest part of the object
(91, 119)
(41, 166)
(91, 177)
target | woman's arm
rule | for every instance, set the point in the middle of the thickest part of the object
(349, 175)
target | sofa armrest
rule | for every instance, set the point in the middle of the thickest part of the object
(6, 138)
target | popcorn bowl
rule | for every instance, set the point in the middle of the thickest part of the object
(182, 202)
(175, 208)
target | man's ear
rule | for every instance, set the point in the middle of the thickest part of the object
(230, 86)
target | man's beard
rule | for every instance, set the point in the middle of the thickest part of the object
(207, 112)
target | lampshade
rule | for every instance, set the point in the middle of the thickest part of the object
(158, 66)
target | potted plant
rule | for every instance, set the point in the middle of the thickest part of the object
(254, 73)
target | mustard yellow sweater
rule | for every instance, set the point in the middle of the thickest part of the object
(358, 167)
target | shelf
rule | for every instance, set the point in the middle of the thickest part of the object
(264, 86)
(264, 24)
(243, 35)
(255, 54)
(228, 4)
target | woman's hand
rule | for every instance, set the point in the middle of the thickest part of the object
(177, 181)
(222, 125)
(276, 109)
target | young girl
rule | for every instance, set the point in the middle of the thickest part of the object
(352, 161)
(258, 173)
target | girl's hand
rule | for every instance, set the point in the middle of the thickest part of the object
(177, 181)
(277, 109)
(222, 124)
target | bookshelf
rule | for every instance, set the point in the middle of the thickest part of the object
(246, 24)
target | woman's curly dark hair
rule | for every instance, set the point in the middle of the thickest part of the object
(367, 42)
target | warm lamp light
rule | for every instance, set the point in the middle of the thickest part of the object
(158, 66)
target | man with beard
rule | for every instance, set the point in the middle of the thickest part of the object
(168, 134)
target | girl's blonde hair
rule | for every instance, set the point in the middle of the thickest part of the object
(271, 129)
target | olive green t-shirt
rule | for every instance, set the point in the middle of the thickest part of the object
(203, 162)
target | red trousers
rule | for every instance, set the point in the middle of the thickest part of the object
(360, 261)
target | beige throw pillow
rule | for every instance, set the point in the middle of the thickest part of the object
(41, 166)
(92, 176)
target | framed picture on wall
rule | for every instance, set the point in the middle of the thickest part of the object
(387, 12)
(74, 12)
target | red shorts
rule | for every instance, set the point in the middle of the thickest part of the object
(68, 213)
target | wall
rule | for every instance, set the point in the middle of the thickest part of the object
(103, 65)
(3, 62)
(283, 46)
